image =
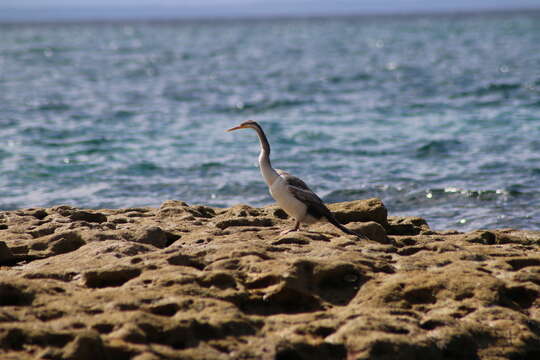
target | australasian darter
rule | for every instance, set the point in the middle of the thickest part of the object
(290, 192)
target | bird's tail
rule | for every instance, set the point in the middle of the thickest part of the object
(332, 219)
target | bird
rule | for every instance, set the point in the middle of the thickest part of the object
(291, 193)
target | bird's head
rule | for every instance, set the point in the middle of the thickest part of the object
(250, 124)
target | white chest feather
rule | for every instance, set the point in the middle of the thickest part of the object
(286, 200)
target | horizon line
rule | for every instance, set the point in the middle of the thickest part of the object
(162, 17)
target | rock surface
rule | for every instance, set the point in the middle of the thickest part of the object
(194, 282)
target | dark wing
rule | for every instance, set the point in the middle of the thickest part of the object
(306, 196)
(315, 206)
(317, 209)
(300, 190)
(292, 180)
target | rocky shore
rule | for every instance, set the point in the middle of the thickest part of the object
(195, 282)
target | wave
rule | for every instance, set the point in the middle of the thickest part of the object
(438, 148)
(53, 106)
(40, 50)
(338, 79)
(124, 114)
(483, 195)
(349, 152)
(311, 136)
(143, 168)
(404, 197)
(260, 106)
(493, 88)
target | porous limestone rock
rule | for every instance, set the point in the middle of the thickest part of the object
(195, 282)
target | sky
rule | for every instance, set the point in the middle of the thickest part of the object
(107, 9)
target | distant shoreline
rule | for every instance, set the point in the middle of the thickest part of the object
(18, 16)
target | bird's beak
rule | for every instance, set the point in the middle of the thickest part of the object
(235, 128)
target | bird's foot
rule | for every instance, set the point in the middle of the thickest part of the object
(294, 228)
(285, 232)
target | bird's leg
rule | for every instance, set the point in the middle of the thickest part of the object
(295, 228)
(296, 225)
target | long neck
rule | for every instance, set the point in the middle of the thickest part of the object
(268, 173)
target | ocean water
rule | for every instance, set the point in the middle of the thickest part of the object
(439, 116)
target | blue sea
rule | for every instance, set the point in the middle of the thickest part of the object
(439, 116)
